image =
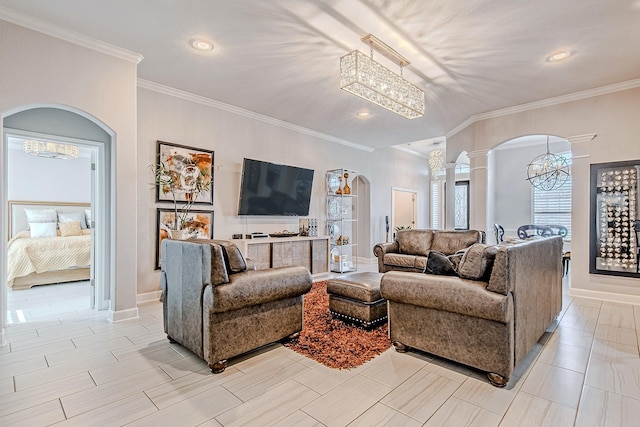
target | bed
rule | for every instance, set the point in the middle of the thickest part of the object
(64, 257)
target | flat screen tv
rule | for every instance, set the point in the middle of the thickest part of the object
(274, 189)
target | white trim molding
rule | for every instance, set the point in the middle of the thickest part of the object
(589, 93)
(579, 139)
(187, 96)
(53, 30)
(605, 296)
(149, 296)
(117, 316)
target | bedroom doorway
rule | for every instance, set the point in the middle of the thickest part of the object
(94, 145)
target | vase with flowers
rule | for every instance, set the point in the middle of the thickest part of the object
(184, 184)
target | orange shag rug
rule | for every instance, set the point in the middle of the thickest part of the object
(332, 342)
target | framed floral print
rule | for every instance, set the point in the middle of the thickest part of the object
(197, 225)
(188, 174)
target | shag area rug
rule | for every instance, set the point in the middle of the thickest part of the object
(332, 342)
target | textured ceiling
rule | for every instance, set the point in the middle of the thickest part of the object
(281, 58)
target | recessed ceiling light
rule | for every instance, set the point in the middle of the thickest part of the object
(201, 44)
(559, 56)
(363, 114)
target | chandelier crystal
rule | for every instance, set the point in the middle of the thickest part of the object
(370, 80)
(548, 171)
(436, 163)
(51, 150)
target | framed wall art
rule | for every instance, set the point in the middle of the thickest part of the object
(197, 225)
(615, 219)
(188, 174)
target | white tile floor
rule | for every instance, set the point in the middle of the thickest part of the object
(66, 365)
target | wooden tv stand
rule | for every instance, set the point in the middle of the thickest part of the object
(272, 252)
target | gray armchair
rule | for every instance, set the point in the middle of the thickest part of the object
(218, 308)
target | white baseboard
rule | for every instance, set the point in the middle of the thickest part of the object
(149, 296)
(364, 260)
(3, 338)
(605, 296)
(117, 316)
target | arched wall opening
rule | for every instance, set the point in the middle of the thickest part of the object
(510, 196)
(67, 124)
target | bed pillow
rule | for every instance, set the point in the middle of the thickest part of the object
(64, 217)
(43, 229)
(71, 228)
(87, 215)
(41, 215)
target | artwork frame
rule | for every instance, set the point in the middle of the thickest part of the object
(174, 157)
(199, 226)
(615, 218)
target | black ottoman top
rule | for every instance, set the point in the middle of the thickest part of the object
(362, 286)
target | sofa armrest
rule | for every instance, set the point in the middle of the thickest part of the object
(381, 249)
(255, 287)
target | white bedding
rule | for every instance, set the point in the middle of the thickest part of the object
(26, 255)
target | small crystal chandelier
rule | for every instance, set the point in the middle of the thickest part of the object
(368, 79)
(51, 150)
(548, 171)
(436, 163)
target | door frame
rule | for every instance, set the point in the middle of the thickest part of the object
(394, 191)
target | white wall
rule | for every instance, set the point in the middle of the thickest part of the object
(39, 70)
(233, 137)
(39, 179)
(614, 118)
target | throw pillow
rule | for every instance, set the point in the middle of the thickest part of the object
(414, 242)
(72, 217)
(87, 214)
(70, 229)
(456, 258)
(477, 262)
(438, 263)
(43, 229)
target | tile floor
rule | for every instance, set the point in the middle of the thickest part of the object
(66, 365)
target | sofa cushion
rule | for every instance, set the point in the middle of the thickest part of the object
(414, 242)
(406, 261)
(439, 263)
(449, 242)
(477, 262)
(448, 293)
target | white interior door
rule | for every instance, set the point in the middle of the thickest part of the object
(404, 208)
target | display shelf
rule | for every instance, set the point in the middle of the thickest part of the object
(342, 219)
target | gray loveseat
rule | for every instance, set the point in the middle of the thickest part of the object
(411, 248)
(217, 307)
(490, 316)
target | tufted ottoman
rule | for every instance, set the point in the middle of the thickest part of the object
(356, 298)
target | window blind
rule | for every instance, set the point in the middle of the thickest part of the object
(554, 206)
(435, 205)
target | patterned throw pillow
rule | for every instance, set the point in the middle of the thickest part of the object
(71, 228)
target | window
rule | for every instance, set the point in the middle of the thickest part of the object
(437, 205)
(461, 206)
(554, 206)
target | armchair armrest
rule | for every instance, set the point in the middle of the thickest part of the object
(255, 287)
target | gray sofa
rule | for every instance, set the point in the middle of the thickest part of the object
(217, 307)
(410, 249)
(490, 315)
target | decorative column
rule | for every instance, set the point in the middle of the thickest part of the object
(480, 205)
(450, 197)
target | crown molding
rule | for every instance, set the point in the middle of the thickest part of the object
(578, 139)
(187, 96)
(589, 93)
(410, 151)
(52, 30)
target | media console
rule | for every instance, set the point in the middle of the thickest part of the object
(272, 252)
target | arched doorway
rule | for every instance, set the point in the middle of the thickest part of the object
(66, 124)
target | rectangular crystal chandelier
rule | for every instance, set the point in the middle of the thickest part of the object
(368, 79)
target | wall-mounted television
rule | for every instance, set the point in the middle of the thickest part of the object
(274, 189)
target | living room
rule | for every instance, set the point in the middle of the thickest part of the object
(44, 67)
